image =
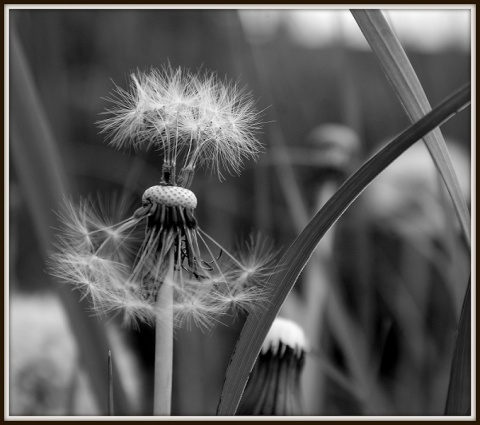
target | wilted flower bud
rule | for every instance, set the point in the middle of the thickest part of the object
(273, 388)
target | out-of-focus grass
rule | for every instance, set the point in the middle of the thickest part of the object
(39, 166)
(296, 257)
(361, 345)
(250, 60)
(401, 74)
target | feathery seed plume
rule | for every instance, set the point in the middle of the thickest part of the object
(190, 120)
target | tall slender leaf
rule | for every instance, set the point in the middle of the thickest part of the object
(459, 391)
(294, 260)
(404, 80)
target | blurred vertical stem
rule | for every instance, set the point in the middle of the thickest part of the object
(162, 392)
(251, 60)
(44, 184)
(402, 76)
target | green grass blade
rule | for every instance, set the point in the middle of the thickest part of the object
(44, 183)
(281, 283)
(459, 391)
(404, 80)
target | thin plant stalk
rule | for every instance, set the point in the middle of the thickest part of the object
(162, 392)
(459, 390)
(296, 257)
(110, 384)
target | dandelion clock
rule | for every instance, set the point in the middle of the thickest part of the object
(158, 265)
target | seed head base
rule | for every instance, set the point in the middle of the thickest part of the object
(170, 196)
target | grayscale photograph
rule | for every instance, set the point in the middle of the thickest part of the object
(229, 212)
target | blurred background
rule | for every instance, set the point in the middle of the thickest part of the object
(379, 301)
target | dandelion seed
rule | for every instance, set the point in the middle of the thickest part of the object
(122, 265)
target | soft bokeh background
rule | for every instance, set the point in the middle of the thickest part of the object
(388, 281)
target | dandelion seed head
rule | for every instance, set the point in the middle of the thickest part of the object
(239, 298)
(135, 310)
(257, 259)
(278, 367)
(113, 234)
(196, 310)
(210, 122)
(189, 309)
(193, 120)
(121, 276)
(285, 333)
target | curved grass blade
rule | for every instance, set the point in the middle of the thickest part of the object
(44, 182)
(459, 390)
(402, 76)
(296, 257)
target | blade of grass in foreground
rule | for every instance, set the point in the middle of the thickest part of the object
(256, 327)
(110, 383)
(459, 391)
(404, 80)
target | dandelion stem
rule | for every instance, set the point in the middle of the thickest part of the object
(162, 391)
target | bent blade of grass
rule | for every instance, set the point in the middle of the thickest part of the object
(459, 390)
(44, 183)
(296, 257)
(402, 76)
